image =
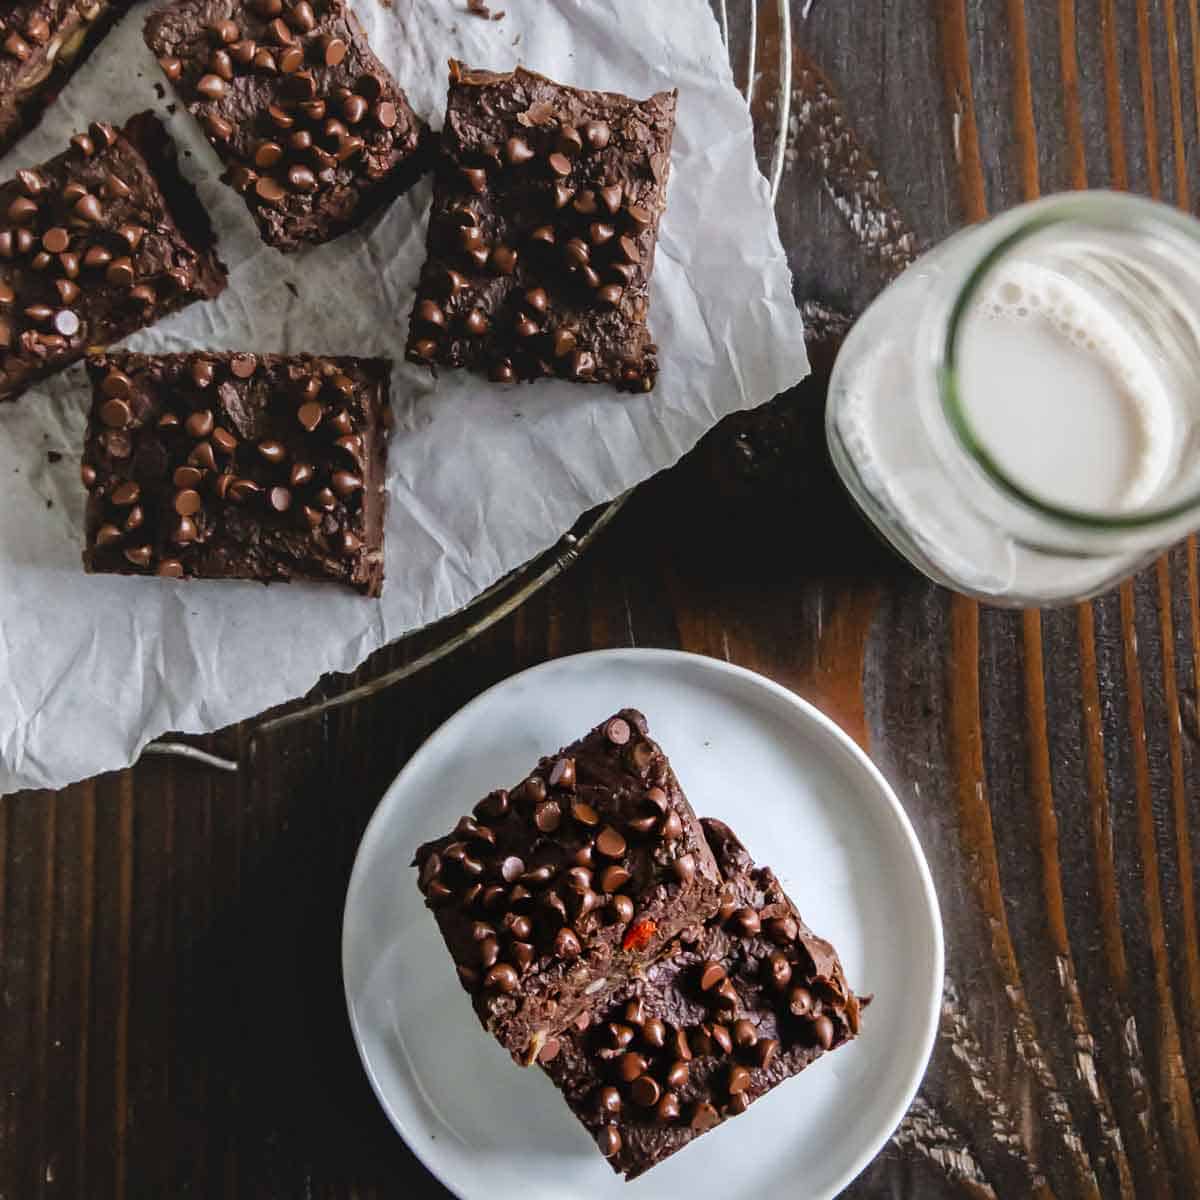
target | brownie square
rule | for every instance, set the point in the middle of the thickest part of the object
(541, 242)
(551, 894)
(313, 130)
(96, 243)
(42, 44)
(237, 466)
(717, 1023)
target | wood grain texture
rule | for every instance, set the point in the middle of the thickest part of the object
(171, 1017)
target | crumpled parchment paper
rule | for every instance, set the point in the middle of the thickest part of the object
(481, 478)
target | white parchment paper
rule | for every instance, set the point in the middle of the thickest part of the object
(481, 478)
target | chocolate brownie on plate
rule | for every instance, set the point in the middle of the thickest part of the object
(551, 894)
(696, 1038)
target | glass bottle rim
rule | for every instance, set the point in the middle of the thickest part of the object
(1080, 208)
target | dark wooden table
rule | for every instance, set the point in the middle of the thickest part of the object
(171, 1014)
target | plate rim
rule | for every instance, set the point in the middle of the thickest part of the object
(826, 724)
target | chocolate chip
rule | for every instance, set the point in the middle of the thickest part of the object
(301, 473)
(354, 108)
(672, 827)
(631, 1066)
(739, 1079)
(120, 272)
(679, 1045)
(489, 953)
(476, 323)
(645, 1091)
(569, 141)
(635, 1010)
(56, 239)
(475, 178)
(87, 208)
(333, 50)
(301, 17)
(747, 922)
(622, 909)
(562, 774)
(269, 190)
(654, 1033)
(139, 556)
(544, 235)
(126, 493)
(548, 816)
(200, 423)
(610, 843)
(187, 502)
(765, 1051)
(608, 1100)
(22, 209)
(211, 87)
(493, 806)
(134, 519)
(224, 440)
(504, 259)
(745, 1034)
(711, 973)
(566, 944)
(386, 114)
(519, 926)
(609, 296)
(823, 1029)
(517, 151)
(576, 253)
(800, 1001)
(115, 413)
(609, 1141)
(613, 879)
(280, 499)
(501, 978)
(610, 196)
(549, 1051)
(170, 568)
(559, 164)
(562, 195)
(107, 535)
(87, 473)
(618, 1036)
(583, 857)
(264, 61)
(685, 868)
(538, 876)
(243, 365)
(779, 970)
(677, 1075)
(782, 930)
(143, 293)
(721, 1038)
(579, 879)
(596, 134)
(301, 178)
(704, 1117)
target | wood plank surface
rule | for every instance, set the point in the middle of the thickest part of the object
(171, 1014)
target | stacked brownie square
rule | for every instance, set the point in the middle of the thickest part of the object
(660, 978)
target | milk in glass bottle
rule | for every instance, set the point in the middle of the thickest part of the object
(1019, 412)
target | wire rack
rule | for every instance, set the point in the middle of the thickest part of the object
(758, 37)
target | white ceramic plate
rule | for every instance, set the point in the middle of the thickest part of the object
(801, 796)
